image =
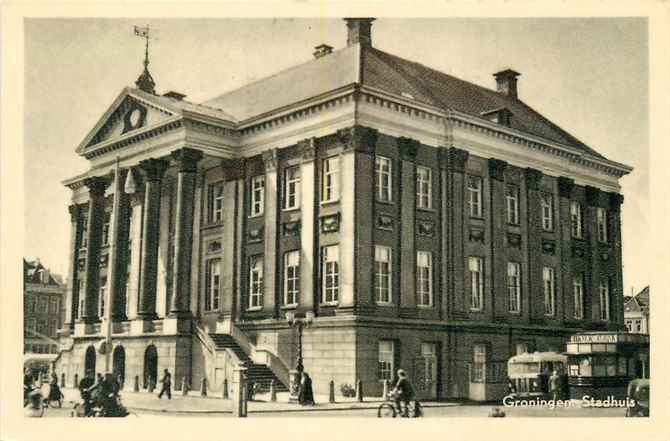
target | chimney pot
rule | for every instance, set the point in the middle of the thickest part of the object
(322, 50)
(175, 95)
(506, 82)
(359, 30)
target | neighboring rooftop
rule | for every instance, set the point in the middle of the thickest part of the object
(35, 272)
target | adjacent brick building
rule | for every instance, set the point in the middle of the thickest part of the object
(425, 222)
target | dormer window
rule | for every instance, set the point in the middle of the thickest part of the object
(502, 116)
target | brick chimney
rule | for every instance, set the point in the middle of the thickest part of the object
(506, 82)
(322, 50)
(359, 30)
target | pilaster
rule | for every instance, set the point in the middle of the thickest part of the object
(96, 214)
(408, 148)
(309, 256)
(270, 300)
(73, 274)
(457, 161)
(233, 187)
(497, 230)
(534, 301)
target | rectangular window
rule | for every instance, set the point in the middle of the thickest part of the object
(475, 196)
(383, 274)
(330, 273)
(547, 202)
(42, 326)
(576, 219)
(383, 178)
(629, 325)
(604, 290)
(476, 266)
(215, 203)
(330, 185)
(105, 228)
(54, 306)
(549, 290)
(257, 195)
(43, 305)
(512, 202)
(292, 188)
(601, 218)
(31, 324)
(84, 231)
(638, 325)
(82, 296)
(479, 363)
(31, 303)
(513, 287)
(578, 293)
(256, 282)
(386, 357)
(213, 285)
(53, 327)
(424, 277)
(424, 188)
(102, 290)
(291, 277)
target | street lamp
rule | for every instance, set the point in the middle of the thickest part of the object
(294, 374)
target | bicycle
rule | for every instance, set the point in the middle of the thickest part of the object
(389, 409)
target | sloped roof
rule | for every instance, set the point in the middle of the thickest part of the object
(31, 273)
(372, 67)
(643, 297)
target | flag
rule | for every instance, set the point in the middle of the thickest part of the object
(142, 32)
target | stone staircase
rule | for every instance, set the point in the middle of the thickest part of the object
(259, 374)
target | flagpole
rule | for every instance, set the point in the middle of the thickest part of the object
(112, 273)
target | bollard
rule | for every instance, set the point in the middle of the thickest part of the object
(385, 393)
(75, 383)
(331, 394)
(238, 390)
(203, 388)
(496, 413)
(184, 386)
(136, 384)
(225, 388)
(273, 391)
(359, 391)
(62, 379)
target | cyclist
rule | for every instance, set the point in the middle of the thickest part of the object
(403, 392)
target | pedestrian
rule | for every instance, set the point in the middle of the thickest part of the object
(403, 392)
(166, 382)
(86, 385)
(555, 386)
(306, 394)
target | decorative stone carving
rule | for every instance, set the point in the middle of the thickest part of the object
(291, 229)
(358, 138)
(476, 235)
(103, 260)
(578, 252)
(96, 185)
(533, 178)
(214, 246)
(443, 158)
(497, 169)
(233, 169)
(592, 195)
(604, 256)
(187, 159)
(457, 159)
(134, 117)
(407, 148)
(565, 186)
(385, 222)
(330, 223)
(81, 264)
(514, 240)
(425, 228)
(270, 160)
(153, 168)
(256, 234)
(548, 246)
(307, 149)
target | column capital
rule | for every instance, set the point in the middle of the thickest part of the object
(533, 178)
(358, 138)
(443, 158)
(408, 148)
(187, 159)
(458, 159)
(565, 186)
(153, 168)
(497, 169)
(96, 185)
(616, 200)
(307, 149)
(270, 159)
(233, 168)
(592, 195)
(75, 211)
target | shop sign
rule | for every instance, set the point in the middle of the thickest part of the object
(594, 338)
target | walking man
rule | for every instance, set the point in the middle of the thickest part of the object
(167, 384)
(555, 386)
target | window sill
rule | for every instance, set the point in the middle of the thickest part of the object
(425, 306)
(389, 202)
(253, 216)
(291, 209)
(476, 310)
(211, 225)
(479, 218)
(291, 306)
(517, 313)
(330, 202)
(384, 303)
(426, 209)
(329, 303)
(254, 308)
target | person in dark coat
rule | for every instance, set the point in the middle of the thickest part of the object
(166, 387)
(403, 392)
(306, 395)
(86, 385)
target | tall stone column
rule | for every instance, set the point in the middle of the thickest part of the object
(616, 296)
(564, 228)
(309, 257)
(457, 162)
(187, 161)
(356, 227)
(152, 170)
(270, 301)
(444, 296)
(73, 279)
(117, 262)
(96, 215)
(496, 234)
(408, 148)
(592, 294)
(534, 301)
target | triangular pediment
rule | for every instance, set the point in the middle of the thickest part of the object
(132, 111)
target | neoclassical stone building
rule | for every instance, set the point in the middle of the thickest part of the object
(417, 220)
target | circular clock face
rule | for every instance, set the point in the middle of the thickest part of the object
(135, 116)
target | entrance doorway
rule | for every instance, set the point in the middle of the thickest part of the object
(89, 360)
(150, 365)
(426, 371)
(119, 364)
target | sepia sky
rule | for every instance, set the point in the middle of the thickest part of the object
(589, 76)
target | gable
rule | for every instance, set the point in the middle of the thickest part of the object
(129, 112)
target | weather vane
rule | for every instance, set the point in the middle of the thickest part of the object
(145, 82)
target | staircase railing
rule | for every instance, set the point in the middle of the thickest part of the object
(260, 356)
